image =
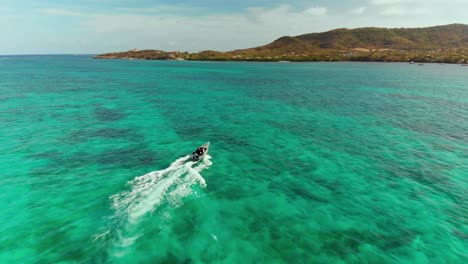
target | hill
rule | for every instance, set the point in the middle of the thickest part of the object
(447, 43)
(450, 36)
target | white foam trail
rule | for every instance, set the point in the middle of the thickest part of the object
(148, 192)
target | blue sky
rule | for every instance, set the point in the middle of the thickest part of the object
(95, 26)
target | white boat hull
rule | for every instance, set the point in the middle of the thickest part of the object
(196, 157)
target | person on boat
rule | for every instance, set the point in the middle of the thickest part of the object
(200, 151)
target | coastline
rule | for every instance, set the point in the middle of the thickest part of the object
(449, 56)
(438, 44)
(416, 61)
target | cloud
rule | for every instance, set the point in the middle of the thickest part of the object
(82, 30)
(394, 11)
(316, 11)
(226, 31)
(59, 12)
(5, 10)
(161, 9)
(358, 11)
(386, 2)
(399, 11)
(422, 11)
(229, 31)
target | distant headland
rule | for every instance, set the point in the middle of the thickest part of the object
(439, 44)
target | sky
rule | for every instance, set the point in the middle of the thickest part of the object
(97, 26)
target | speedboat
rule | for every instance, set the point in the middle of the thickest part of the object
(200, 152)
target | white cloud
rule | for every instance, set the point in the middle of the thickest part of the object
(255, 26)
(161, 9)
(393, 11)
(359, 10)
(59, 12)
(417, 2)
(5, 10)
(83, 31)
(388, 2)
(316, 11)
(400, 11)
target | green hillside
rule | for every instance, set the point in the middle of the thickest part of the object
(450, 36)
(447, 43)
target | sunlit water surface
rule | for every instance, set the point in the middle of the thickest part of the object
(309, 163)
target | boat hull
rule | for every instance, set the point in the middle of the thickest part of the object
(196, 157)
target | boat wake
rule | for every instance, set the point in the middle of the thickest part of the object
(147, 193)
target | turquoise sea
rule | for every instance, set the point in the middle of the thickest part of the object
(309, 162)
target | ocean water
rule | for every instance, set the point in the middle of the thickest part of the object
(309, 162)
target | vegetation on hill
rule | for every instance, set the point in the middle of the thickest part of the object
(447, 44)
(144, 55)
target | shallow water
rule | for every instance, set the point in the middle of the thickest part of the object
(309, 163)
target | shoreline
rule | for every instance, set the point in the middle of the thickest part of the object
(416, 63)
